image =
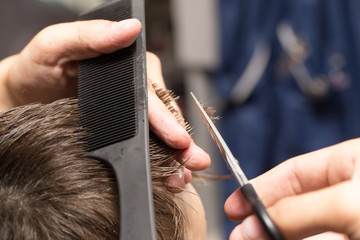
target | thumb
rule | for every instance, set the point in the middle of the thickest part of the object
(80, 40)
(335, 208)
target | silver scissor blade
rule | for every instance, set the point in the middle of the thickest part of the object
(231, 161)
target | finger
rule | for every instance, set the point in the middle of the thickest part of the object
(187, 175)
(328, 236)
(251, 229)
(194, 158)
(7, 100)
(176, 183)
(164, 124)
(236, 207)
(155, 76)
(154, 70)
(167, 127)
(301, 174)
(335, 208)
(254, 230)
(81, 40)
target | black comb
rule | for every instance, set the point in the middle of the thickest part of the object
(113, 110)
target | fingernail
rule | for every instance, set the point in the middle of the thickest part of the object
(187, 175)
(124, 24)
(180, 172)
(251, 229)
(176, 183)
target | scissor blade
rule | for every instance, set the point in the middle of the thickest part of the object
(231, 161)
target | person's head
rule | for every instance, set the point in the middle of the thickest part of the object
(48, 190)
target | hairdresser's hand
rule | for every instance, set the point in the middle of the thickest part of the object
(309, 194)
(165, 125)
(46, 69)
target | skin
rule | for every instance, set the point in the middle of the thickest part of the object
(309, 194)
(193, 209)
(46, 70)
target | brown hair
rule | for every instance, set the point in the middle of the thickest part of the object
(48, 190)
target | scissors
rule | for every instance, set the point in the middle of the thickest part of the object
(246, 188)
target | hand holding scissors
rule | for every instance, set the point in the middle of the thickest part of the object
(246, 188)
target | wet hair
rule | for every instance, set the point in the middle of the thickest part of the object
(48, 190)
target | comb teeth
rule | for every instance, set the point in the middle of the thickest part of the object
(119, 11)
(107, 89)
(107, 98)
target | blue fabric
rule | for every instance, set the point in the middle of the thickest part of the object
(279, 121)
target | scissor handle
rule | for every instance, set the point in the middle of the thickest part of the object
(259, 209)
